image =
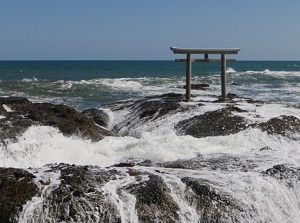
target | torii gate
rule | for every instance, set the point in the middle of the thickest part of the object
(206, 52)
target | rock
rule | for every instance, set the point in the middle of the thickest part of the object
(211, 206)
(265, 148)
(78, 198)
(153, 196)
(282, 125)
(289, 174)
(214, 123)
(98, 116)
(198, 86)
(146, 110)
(155, 109)
(123, 193)
(283, 172)
(251, 101)
(16, 188)
(23, 114)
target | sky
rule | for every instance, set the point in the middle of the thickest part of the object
(145, 30)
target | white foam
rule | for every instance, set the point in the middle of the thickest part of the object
(230, 70)
(30, 80)
(7, 108)
(42, 145)
(273, 73)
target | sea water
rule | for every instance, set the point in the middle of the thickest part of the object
(93, 84)
(83, 84)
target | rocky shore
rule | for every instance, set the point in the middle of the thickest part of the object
(134, 190)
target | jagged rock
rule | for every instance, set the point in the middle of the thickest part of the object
(20, 114)
(282, 125)
(289, 174)
(125, 193)
(155, 109)
(99, 116)
(215, 123)
(251, 101)
(16, 188)
(284, 171)
(147, 110)
(153, 196)
(211, 205)
(198, 86)
(78, 198)
(265, 148)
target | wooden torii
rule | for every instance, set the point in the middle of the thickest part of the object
(206, 52)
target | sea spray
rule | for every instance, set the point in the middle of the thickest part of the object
(249, 176)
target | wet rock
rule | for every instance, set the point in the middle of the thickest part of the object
(79, 198)
(198, 86)
(282, 125)
(16, 188)
(98, 116)
(156, 109)
(147, 110)
(252, 101)
(283, 171)
(265, 148)
(153, 196)
(211, 206)
(214, 123)
(136, 194)
(213, 162)
(20, 114)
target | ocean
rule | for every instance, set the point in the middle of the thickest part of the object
(97, 84)
(84, 84)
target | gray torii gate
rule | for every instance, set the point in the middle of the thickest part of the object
(206, 52)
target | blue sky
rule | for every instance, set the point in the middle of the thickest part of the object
(145, 30)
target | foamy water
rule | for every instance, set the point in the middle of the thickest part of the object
(263, 198)
(156, 141)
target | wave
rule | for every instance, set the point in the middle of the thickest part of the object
(42, 145)
(30, 79)
(156, 141)
(230, 70)
(272, 73)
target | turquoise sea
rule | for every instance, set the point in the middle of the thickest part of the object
(83, 84)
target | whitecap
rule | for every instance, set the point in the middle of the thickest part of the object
(230, 70)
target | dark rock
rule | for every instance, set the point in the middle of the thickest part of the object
(282, 125)
(231, 96)
(153, 196)
(283, 172)
(127, 164)
(98, 116)
(198, 86)
(211, 206)
(95, 194)
(215, 123)
(168, 97)
(16, 188)
(76, 199)
(147, 110)
(25, 114)
(156, 109)
(251, 101)
(265, 148)
(77, 193)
